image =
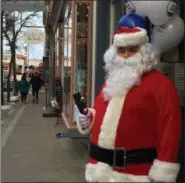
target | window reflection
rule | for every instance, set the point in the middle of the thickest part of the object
(81, 57)
(67, 64)
(81, 52)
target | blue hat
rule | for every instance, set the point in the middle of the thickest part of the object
(131, 31)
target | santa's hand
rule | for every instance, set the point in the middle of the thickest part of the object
(85, 120)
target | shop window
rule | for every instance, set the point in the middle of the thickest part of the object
(57, 61)
(81, 49)
(80, 69)
(66, 65)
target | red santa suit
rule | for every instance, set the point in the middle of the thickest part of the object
(144, 116)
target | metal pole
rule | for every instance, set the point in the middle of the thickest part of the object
(28, 54)
(14, 64)
(2, 75)
(46, 98)
(34, 26)
(67, 92)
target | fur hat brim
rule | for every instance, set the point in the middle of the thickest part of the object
(130, 39)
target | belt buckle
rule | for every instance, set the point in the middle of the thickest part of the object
(114, 158)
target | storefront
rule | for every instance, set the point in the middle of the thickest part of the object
(87, 35)
(77, 65)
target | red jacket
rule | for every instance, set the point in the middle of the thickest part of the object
(146, 116)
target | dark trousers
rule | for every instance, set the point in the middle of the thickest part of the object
(23, 96)
(35, 92)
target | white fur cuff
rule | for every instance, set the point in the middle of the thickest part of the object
(164, 171)
(130, 39)
(102, 172)
(87, 130)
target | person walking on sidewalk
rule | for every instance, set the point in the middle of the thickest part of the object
(135, 123)
(36, 83)
(24, 88)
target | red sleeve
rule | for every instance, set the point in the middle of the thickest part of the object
(169, 125)
(166, 167)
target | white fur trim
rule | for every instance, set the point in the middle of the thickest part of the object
(164, 171)
(110, 122)
(87, 130)
(130, 39)
(102, 172)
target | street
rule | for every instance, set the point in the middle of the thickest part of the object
(32, 153)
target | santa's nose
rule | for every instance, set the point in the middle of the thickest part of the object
(126, 54)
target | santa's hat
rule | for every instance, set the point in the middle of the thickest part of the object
(131, 31)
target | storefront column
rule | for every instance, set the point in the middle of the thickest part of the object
(120, 10)
(182, 45)
(102, 37)
(181, 177)
(51, 65)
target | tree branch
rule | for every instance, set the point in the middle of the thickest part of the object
(19, 38)
(24, 21)
(6, 36)
(12, 26)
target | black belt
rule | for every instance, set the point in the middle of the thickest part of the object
(119, 158)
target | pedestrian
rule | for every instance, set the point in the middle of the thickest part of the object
(58, 91)
(36, 83)
(24, 88)
(135, 123)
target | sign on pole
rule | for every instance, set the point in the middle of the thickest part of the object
(34, 36)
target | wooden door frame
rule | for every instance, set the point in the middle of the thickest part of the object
(89, 51)
(73, 52)
(61, 58)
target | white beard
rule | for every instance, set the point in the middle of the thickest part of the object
(123, 74)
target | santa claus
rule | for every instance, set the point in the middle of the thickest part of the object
(135, 122)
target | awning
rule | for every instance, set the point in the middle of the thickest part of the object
(20, 5)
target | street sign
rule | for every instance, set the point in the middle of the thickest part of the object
(34, 36)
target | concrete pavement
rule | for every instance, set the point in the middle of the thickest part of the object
(9, 116)
(32, 153)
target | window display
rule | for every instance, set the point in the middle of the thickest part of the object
(81, 52)
(67, 65)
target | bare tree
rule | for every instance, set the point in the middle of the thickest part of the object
(13, 23)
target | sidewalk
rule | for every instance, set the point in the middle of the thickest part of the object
(8, 117)
(33, 154)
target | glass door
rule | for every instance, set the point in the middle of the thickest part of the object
(81, 68)
(67, 41)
